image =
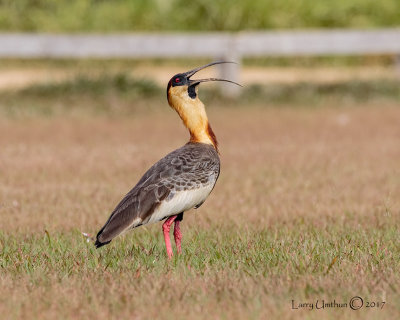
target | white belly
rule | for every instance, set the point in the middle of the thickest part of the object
(181, 201)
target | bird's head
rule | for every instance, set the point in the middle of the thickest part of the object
(181, 87)
(182, 96)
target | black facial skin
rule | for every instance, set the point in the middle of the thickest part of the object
(192, 91)
(181, 80)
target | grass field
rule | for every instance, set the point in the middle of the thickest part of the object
(307, 208)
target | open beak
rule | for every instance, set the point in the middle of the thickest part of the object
(197, 81)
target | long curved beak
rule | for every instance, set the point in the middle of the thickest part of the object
(197, 81)
(190, 73)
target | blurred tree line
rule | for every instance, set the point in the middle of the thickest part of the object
(204, 15)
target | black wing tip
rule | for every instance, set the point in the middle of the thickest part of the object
(99, 244)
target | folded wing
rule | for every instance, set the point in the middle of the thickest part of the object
(185, 174)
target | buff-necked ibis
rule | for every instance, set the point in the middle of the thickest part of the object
(182, 179)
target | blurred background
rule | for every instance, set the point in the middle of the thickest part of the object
(276, 63)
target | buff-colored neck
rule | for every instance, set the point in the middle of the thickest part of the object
(193, 115)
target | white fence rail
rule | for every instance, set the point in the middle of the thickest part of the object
(228, 46)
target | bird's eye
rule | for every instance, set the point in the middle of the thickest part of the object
(177, 80)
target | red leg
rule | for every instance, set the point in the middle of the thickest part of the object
(166, 227)
(177, 236)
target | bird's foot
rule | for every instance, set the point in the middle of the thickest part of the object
(166, 228)
(177, 236)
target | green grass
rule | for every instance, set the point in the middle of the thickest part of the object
(298, 250)
(102, 94)
(349, 92)
(89, 15)
(120, 82)
(119, 93)
(246, 268)
(306, 208)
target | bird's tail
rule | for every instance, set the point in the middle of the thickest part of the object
(98, 243)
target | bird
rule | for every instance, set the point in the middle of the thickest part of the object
(180, 181)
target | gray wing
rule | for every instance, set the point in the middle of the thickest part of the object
(189, 167)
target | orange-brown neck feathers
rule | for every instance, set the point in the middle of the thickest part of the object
(193, 115)
(212, 136)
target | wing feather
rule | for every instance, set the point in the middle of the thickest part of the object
(188, 167)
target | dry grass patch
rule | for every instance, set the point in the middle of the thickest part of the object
(307, 207)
